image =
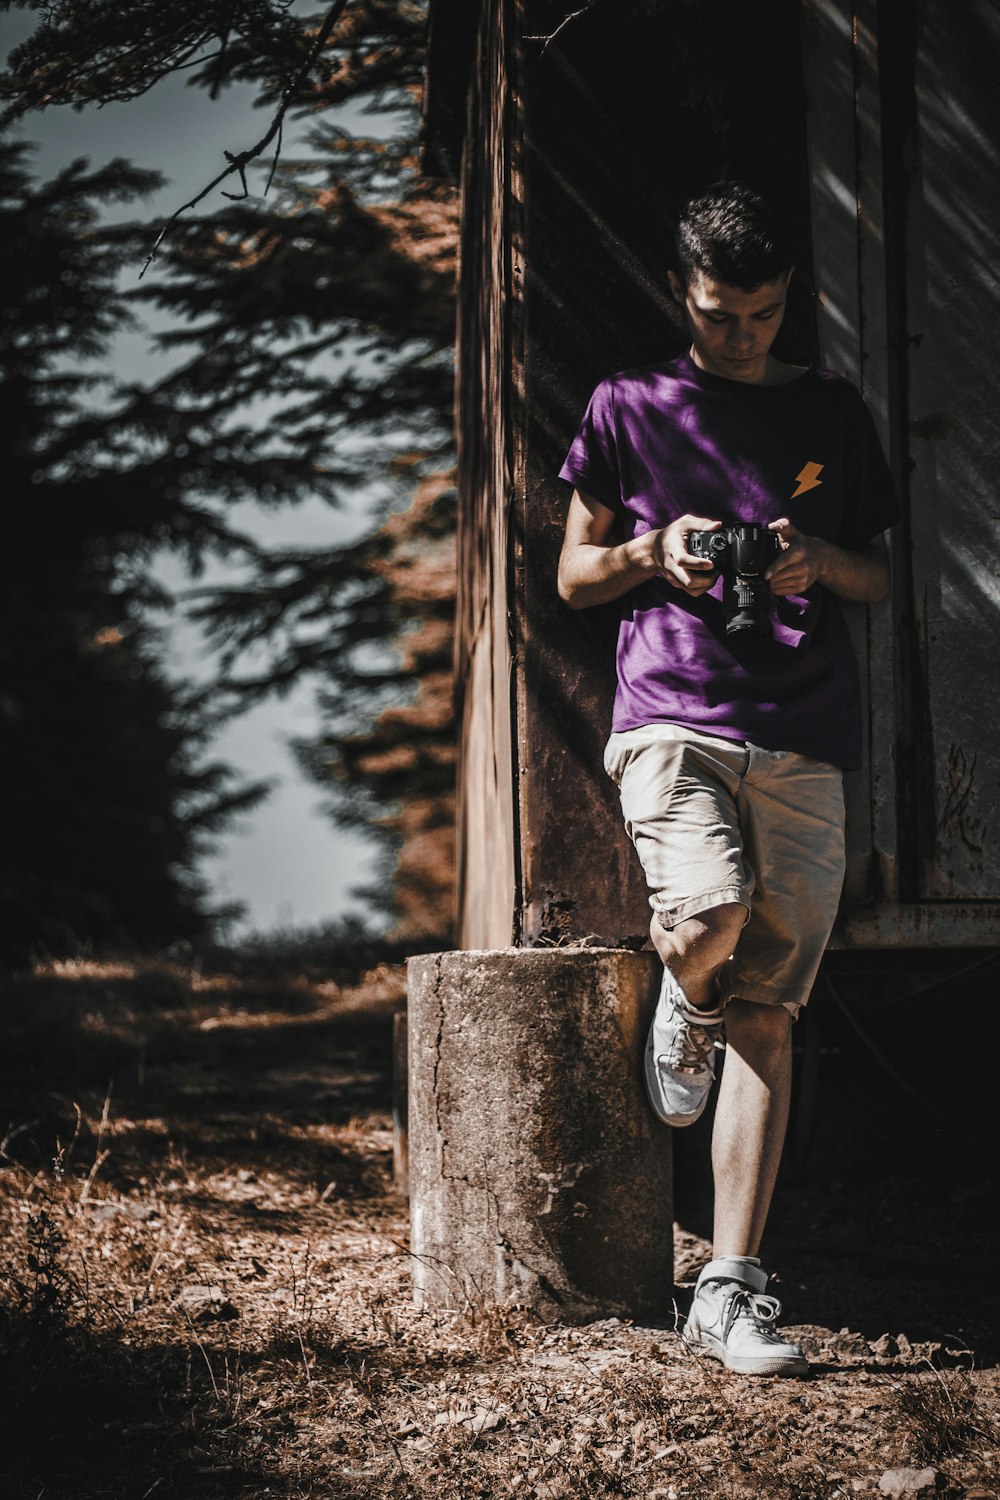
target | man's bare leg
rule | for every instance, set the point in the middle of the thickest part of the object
(731, 1316)
(752, 1111)
(695, 950)
(750, 1120)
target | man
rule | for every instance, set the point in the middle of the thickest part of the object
(728, 748)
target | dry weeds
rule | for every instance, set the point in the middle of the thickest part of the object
(205, 1291)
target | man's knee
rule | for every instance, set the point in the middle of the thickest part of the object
(706, 940)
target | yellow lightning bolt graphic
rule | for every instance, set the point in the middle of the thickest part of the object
(808, 478)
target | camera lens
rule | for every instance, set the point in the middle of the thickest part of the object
(747, 611)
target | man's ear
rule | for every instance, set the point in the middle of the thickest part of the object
(677, 287)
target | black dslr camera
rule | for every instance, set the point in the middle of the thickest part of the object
(741, 553)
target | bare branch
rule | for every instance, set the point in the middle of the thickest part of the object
(566, 21)
(239, 161)
(274, 164)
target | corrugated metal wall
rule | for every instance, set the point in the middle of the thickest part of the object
(903, 125)
(576, 156)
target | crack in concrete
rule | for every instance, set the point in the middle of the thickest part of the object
(563, 1296)
(514, 1259)
(443, 1139)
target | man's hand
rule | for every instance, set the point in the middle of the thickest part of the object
(799, 562)
(858, 574)
(592, 570)
(695, 575)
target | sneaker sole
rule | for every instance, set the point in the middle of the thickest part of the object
(653, 1092)
(788, 1365)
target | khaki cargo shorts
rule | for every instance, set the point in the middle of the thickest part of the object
(716, 821)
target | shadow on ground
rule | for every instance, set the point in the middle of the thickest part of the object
(229, 1070)
(86, 1413)
(265, 1107)
(884, 1218)
(243, 1105)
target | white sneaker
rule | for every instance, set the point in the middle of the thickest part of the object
(680, 1055)
(733, 1320)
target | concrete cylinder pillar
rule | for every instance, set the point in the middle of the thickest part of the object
(538, 1173)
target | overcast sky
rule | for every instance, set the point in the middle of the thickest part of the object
(286, 862)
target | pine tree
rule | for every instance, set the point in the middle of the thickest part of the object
(109, 806)
(332, 302)
(400, 763)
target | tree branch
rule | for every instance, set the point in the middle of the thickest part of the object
(566, 21)
(241, 160)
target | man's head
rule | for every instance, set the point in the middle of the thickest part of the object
(733, 269)
(733, 235)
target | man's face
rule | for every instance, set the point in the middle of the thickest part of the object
(731, 330)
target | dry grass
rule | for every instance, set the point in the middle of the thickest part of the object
(204, 1292)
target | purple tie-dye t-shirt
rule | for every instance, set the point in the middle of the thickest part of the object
(669, 440)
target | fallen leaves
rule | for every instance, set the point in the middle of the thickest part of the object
(241, 1273)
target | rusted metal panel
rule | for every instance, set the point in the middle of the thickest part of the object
(952, 300)
(903, 126)
(843, 134)
(928, 924)
(576, 158)
(622, 123)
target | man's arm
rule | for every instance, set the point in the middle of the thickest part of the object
(861, 576)
(592, 570)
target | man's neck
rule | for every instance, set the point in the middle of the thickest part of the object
(772, 371)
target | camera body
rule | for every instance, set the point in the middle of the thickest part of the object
(741, 553)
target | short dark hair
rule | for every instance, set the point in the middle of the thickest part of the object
(732, 234)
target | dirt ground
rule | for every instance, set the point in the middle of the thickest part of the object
(204, 1274)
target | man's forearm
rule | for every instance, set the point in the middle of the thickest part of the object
(590, 574)
(861, 577)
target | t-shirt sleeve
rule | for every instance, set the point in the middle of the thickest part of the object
(592, 461)
(870, 503)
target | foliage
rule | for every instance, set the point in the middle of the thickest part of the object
(91, 53)
(309, 340)
(401, 762)
(101, 749)
(244, 1166)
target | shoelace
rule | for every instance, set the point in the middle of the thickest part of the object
(758, 1308)
(692, 1046)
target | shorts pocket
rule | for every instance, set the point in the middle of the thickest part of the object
(616, 757)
